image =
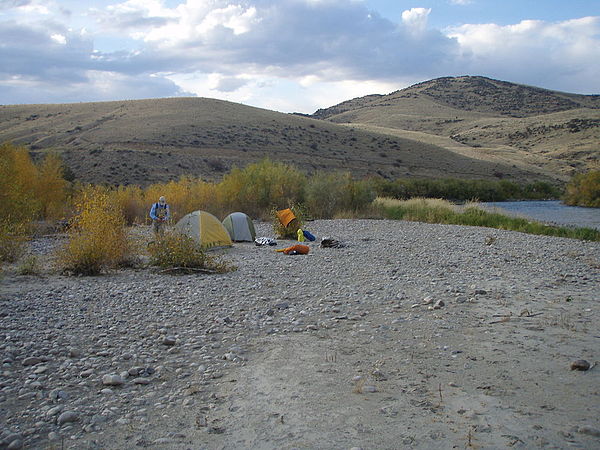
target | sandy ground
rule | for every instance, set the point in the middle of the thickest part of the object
(342, 348)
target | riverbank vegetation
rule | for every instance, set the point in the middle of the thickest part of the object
(31, 192)
(442, 211)
(584, 190)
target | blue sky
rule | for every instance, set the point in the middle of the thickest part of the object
(287, 55)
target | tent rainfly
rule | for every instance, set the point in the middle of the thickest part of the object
(240, 227)
(205, 229)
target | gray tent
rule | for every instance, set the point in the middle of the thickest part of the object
(240, 227)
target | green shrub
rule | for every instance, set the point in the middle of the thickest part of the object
(328, 195)
(464, 190)
(30, 265)
(13, 240)
(260, 186)
(177, 251)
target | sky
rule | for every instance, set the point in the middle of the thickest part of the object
(287, 55)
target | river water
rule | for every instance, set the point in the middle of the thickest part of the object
(550, 211)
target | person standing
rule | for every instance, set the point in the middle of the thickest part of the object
(159, 213)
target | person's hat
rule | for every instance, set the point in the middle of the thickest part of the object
(162, 200)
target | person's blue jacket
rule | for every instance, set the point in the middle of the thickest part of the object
(159, 211)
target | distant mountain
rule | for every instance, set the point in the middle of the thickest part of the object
(466, 127)
(486, 119)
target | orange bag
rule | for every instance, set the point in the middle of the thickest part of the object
(297, 249)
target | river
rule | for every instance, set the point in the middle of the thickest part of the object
(550, 211)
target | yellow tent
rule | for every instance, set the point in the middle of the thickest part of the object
(205, 228)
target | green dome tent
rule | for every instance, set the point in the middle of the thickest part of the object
(240, 227)
(205, 229)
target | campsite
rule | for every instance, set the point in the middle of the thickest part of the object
(284, 224)
(412, 335)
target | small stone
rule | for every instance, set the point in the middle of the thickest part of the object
(369, 388)
(74, 352)
(15, 445)
(580, 364)
(428, 300)
(169, 340)
(39, 370)
(112, 380)
(10, 437)
(53, 436)
(54, 411)
(67, 417)
(31, 361)
(57, 394)
(86, 373)
(135, 371)
(439, 304)
(590, 431)
(141, 380)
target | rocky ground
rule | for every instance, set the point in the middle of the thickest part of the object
(411, 336)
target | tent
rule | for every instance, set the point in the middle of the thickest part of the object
(205, 229)
(240, 227)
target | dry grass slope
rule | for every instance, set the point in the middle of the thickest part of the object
(467, 127)
(555, 132)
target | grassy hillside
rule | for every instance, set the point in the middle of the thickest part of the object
(532, 128)
(146, 141)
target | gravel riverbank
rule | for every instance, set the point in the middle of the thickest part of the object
(413, 335)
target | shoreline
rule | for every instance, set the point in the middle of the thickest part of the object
(341, 348)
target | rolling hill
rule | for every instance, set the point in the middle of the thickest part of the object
(442, 128)
(487, 120)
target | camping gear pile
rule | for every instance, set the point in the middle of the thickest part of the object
(328, 242)
(288, 219)
(206, 229)
(259, 241)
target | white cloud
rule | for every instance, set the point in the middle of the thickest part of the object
(461, 2)
(416, 19)
(59, 38)
(566, 54)
(292, 55)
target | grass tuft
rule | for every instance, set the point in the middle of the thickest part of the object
(442, 211)
(177, 251)
(30, 265)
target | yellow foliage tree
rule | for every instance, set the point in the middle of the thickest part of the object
(17, 188)
(51, 187)
(261, 186)
(130, 200)
(584, 190)
(97, 237)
